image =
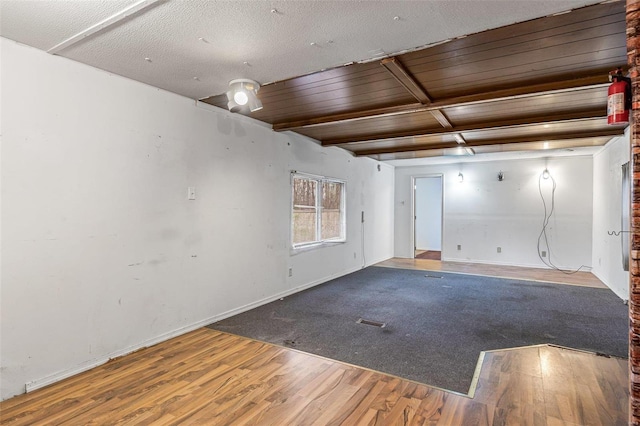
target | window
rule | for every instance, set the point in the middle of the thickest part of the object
(318, 213)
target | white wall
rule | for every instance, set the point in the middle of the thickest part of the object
(102, 253)
(481, 213)
(428, 202)
(607, 210)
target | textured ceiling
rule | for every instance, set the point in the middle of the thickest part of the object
(535, 85)
(195, 47)
(43, 24)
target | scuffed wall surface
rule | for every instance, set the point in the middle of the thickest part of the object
(102, 252)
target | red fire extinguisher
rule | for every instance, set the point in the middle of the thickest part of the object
(619, 98)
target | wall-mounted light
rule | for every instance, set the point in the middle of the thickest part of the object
(545, 174)
(500, 176)
(460, 177)
(243, 92)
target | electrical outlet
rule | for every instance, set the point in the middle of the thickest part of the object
(499, 249)
(544, 254)
(459, 247)
(290, 272)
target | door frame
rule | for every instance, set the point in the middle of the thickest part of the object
(413, 212)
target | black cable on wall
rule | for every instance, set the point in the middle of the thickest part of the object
(543, 239)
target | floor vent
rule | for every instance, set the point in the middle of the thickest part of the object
(373, 323)
(433, 276)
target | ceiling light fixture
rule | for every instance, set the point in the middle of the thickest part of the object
(243, 92)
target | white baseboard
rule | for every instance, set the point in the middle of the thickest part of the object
(374, 262)
(64, 374)
(624, 297)
(277, 296)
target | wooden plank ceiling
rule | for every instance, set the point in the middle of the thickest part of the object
(540, 84)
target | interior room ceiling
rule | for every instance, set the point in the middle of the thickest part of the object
(384, 79)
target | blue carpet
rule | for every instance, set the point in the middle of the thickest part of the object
(435, 327)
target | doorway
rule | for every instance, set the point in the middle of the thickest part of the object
(427, 241)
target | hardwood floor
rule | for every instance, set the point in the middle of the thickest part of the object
(211, 378)
(586, 279)
(428, 254)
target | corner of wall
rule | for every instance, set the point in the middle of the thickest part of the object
(607, 213)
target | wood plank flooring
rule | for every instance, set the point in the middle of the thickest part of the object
(208, 377)
(586, 279)
(428, 254)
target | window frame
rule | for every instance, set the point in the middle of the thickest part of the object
(319, 241)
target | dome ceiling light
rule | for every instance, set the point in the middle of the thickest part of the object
(243, 93)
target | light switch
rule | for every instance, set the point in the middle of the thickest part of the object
(191, 193)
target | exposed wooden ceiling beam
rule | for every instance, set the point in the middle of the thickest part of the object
(476, 127)
(405, 78)
(351, 116)
(609, 132)
(612, 131)
(598, 80)
(406, 148)
(408, 81)
(459, 138)
(442, 118)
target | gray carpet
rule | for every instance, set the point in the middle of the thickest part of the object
(436, 327)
